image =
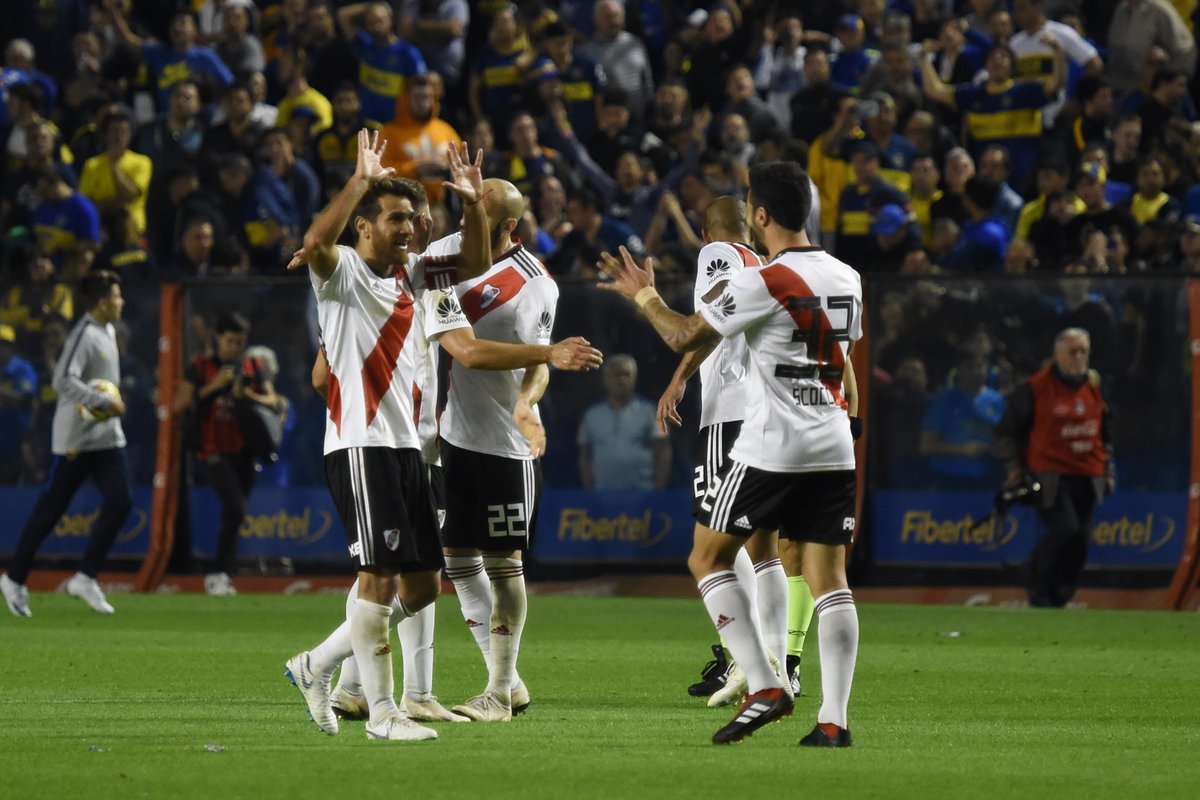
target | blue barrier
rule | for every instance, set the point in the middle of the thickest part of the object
(70, 535)
(1130, 529)
(578, 526)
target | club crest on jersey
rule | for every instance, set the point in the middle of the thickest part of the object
(723, 306)
(448, 309)
(391, 538)
(544, 323)
(488, 295)
(717, 267)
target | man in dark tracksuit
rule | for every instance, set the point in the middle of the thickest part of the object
(1057, 427)
(87, 442)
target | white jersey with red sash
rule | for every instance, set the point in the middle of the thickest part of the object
(798, 313)
(374, 330)
(723, 373)
(513, 302)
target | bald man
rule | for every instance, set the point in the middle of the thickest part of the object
(784, 604)
(492, 472)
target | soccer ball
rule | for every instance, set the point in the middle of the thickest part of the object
(99, 414)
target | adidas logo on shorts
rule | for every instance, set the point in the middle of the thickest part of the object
(742, 522)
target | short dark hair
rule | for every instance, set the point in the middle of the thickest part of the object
(369, 207)
(614, 97)
(782, 188)
(97, 285)
(1089, 86)
(231, 322)
(982, 192)
(1164, 76)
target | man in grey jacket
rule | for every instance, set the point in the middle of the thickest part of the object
(87, 442)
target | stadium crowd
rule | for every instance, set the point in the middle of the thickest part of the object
(180, 139)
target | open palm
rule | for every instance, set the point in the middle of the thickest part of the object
(466, 177)
(370, 150)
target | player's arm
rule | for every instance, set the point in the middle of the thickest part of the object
(466, 180)
(533, 386)
(574, 353)
(320, 373)
(634, 283)
(68, 379)
(320, 241)
(672, 396)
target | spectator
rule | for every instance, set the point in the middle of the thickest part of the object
(892, 76)
(1048, 233)
(182, 60)
(36, 296)
(623, 57)
(902, 404)
(591, 234)
(779, 73)
(23, 104)
(618, 131)
(1135, 27)
(1053, 175)
(439, 30)
(1035, 58)
(118, 177)
(20, 56)
(741, 98)
(214, 387)
(336, 147)
(962, 51)
(957, 430)
(1168, 93)
(1099, 214)
(925, 193)
(239, 134)
(331, 59)
(495, 90)
(1057, 429)
(984, 241)
(18, 391)
(878, 113)
(1189, 244)
(418, 138)
(670, 113)
(239, 45)
(957, 170)
(386, 61)
(19, 197)
(1000, 111)
(550, 208)
(861, 202)
(583, 79)
(994, 166)
(528, 160)
(283, 197)
(66, 224)
(1095, 98)
(291, 70)
(123, 248)
(852, 58)
(815, 106)
(620, 445)
(895, 237)
(194, 256)
(1150, 201)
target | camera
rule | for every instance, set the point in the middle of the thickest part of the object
(1025, 491)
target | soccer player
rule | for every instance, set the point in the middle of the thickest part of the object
(375, 309)
(785, 604)
(792, 467)
(493, 478)
(85, 445)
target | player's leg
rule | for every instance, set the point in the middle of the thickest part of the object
(464, 565)
(837, 631)
(771, 596)
(799, 610)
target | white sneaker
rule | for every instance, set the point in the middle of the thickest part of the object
(784, 682)
(520, 698)
(315, 689)
(734, 689)
(486, 707)
(16, 595)
(428, 709)
(397, 728)
(219, 584)
(349, 705)
(87, 590)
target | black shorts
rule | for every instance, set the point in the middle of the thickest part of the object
(383, 497)
(491, 501)
(718, 441)
(803, 506)
(437, 486)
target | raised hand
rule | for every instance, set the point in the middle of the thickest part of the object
(299, 259)
(466, 176)
(668, 405)
(370, 150)
(530, 427)
(627, 277)
(576, 355)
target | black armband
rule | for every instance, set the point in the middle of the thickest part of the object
(856, 427)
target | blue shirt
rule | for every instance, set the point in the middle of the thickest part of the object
(981, 248)
(62, 226)
(17, 375)
(170, 67)
(383, 74)
(621, 441)
(958, 418)
(848, 68)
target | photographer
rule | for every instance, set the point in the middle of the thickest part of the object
(218, 388)
(1057, 427)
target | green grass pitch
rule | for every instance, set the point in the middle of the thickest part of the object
(1020, 704)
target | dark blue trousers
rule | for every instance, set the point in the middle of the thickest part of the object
(110, 472)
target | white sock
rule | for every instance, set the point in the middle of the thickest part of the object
(733, 616)
(837, 632)
(415, 633)
(508, 621)
(773, 606)
(348, 677)
(324, 658)
(743, 567)
(474, 596)
(370, 629)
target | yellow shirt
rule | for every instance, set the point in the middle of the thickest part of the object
(313, 99)
(98, 185)
(1034, 210)
(829, 174)
(923, 209)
